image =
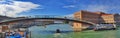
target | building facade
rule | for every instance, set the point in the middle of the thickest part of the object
(94, 17)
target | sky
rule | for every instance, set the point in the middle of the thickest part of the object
(15, 8)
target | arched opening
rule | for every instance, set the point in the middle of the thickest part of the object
(50, 30)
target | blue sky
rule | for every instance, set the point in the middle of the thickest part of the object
(68, 7)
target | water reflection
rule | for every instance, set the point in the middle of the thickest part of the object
(57, 35)
(40, 31)
(66, 31)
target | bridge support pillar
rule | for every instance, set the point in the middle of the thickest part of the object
(77, 27)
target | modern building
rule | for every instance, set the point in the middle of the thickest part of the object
(94, 17)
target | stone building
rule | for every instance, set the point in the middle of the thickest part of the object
(94, 17)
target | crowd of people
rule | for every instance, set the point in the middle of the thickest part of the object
(15, 35)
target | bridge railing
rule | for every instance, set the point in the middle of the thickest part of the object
(65, 17)
(47, 16)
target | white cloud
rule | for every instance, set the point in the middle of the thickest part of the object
(69, 15)
(97, 8)
(103, 8)
(16, 8)
(69, 6)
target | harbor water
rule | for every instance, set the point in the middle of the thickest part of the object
(67, 32)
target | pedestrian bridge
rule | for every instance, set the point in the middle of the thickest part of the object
(14, 23)
(66, 18)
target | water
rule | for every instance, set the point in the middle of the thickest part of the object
(67, 32)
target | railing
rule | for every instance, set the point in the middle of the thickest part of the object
(47, 16)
